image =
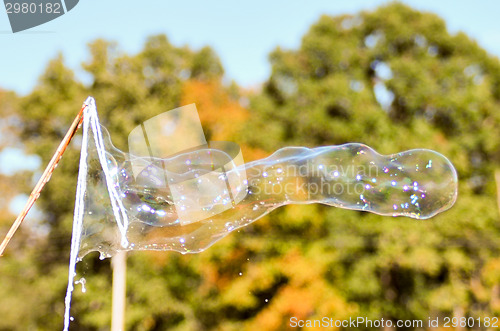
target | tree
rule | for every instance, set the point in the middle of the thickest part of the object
(393, 78)
(129, 90)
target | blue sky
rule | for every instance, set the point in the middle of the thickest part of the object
(242, 33)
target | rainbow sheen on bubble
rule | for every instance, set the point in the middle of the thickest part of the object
(187, 202)
(417, 183)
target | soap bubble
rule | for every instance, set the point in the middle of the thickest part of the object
(190, 200)
(186, 203)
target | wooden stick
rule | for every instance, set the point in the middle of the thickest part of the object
(118, 301)
(44, 179)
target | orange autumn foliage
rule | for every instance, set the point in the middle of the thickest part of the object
(221, 115)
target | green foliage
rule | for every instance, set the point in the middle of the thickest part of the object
(445, 97)
(303, 261)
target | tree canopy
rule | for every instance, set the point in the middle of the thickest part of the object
(393, 78)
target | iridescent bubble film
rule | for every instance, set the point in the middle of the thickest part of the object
(188, 202)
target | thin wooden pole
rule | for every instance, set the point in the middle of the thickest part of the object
(495, 290)
(497, 182)
(44, 179)
(119, 263)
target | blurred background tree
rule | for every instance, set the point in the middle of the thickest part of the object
(393, 78)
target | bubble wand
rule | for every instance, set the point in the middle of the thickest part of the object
(45, 177)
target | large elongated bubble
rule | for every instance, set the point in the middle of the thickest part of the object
(186, 203)
(189, 201)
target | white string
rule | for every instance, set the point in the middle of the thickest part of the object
(78, 215)
(116, 203)
(91, 121)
